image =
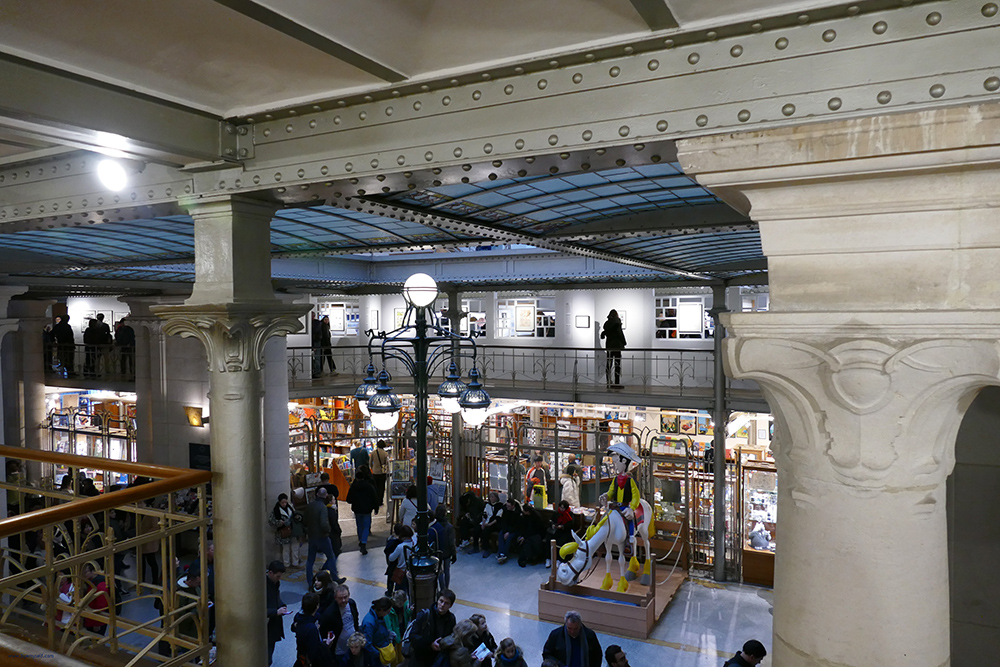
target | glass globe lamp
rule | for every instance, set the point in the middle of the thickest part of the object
(384, 406)
(451, 390)
(366, 390)
(420, 290)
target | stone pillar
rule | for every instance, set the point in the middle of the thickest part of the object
(151, 444)
(233, 312)
(882, 249)
(31, 321)
(276, 460)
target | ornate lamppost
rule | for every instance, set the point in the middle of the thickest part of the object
(421, 345)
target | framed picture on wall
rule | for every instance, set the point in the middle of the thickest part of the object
(373, 319)
(668, 423)
(398, 315)
(524, 318)
(583, 321)
(337, 322)
(622, 314)
(687, 424)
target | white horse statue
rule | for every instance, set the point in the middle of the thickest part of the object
(610, 530)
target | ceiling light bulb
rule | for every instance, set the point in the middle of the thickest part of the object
(112, 175)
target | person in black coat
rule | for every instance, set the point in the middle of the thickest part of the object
(431, 626)
(470, 509)
(65, 340)
(125, 342)
(276, 609)
(326, 343)
(614, 341)
(532, 536)
(331, 621)
(93, 337)
(753, 652)
(310, 648)
(571, 638)
(510, 530)
(363, 500)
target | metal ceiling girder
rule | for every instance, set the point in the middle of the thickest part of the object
(489, 232)
(295, 30)
(55, 106)
(63, 190)
(913, 57)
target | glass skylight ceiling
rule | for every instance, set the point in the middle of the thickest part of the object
(539, 205)
(546, 207)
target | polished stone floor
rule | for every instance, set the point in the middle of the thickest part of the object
(705, 624)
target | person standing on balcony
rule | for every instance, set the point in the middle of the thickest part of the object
(104, 347)
(65, 344)
(93, 337)
(316, 339)
(326, 342)
(125, 342)
(614, 342)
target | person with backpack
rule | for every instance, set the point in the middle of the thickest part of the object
(422, 640)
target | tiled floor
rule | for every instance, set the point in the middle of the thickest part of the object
(704, 624)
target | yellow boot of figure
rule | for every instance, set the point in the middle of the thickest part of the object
(622, 585)
(606, 584)
(632, 573)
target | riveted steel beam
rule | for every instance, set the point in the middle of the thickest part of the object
(497, 234)
(45, 104)
(862, 63)
(285, 25)
(64, 191)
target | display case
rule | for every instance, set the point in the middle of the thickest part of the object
(101, 429)
(701, 509)
(760, 517)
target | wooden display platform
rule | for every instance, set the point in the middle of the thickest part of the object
(632, 614)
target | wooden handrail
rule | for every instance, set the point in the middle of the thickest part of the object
(171, 479)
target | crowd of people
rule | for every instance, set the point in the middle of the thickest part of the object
(330, 631)
(329, 628)
(106, 353)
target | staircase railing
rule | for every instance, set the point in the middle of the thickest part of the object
(56, 549)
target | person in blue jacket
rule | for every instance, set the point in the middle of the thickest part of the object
(374, 626)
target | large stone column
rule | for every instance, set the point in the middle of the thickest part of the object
(31, 320)
(882, 243)
(151, 443)
(233, 312)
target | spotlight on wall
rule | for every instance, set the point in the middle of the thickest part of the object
(195, 416)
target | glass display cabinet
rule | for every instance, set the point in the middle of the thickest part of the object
(760, 517)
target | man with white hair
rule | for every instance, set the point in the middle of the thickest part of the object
(573, 644)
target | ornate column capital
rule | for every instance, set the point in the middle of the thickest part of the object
(871, 401)
(233, 334)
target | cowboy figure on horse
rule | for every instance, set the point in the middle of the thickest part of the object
(623, 493)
